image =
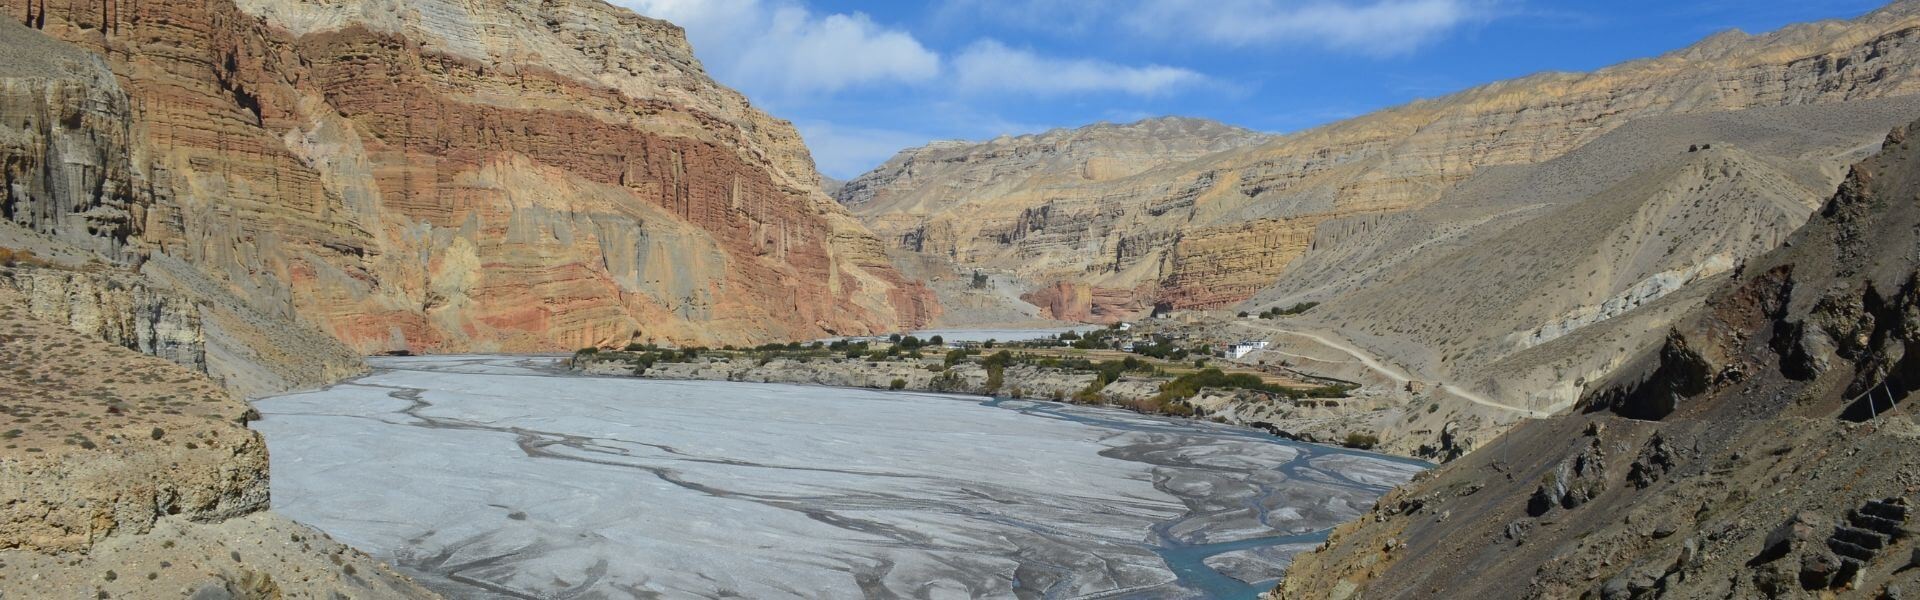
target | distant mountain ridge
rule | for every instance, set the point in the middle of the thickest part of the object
(1209, 230)
(1096, 152)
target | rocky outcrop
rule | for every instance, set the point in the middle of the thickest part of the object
(500, 175)
(1212, 230)
(1746, 417)
(105, 442)
(65, 139)
(1084, 303)
(125, 475)
(122, 310)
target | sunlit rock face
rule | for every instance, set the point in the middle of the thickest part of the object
(501, 477)
(498, 175)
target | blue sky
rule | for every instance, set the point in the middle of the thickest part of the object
(864, 79)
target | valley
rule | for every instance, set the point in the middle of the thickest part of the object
(517, 299)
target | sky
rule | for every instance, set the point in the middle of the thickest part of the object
(863, 79)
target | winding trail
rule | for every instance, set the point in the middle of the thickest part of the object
(1397, 374)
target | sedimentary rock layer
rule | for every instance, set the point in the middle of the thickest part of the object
(500, 175)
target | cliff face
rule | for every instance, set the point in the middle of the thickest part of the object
(1212, 231)
(1762, 449)
(446, 176)
(77, 209)
(1021, 206)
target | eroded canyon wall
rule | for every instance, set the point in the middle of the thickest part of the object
(441, 176)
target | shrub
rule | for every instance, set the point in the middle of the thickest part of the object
(1361, 441)
(948, 381)
(10, 257)
(936, 341)
(1178, 409)
(956, 355)
(897, 384)
(997, 370)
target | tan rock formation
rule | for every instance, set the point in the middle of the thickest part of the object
(1085, 303)
(500, 175)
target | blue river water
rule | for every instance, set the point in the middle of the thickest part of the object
(1188, 561)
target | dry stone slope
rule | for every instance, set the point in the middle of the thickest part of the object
(1762, 449)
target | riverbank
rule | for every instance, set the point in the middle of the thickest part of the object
(1304, 411)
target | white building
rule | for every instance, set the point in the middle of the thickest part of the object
(1242, 349)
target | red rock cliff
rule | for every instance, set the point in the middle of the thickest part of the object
(498, 175)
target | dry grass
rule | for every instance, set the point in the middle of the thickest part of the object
(61, 391)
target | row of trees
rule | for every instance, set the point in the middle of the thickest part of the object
(1277, 312)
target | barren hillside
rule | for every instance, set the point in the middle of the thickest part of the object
(1762, 450)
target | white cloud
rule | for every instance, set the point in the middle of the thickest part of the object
(1376, 27)
(1365, 26)
(990, 66)
(1054, 16)
(779, 46)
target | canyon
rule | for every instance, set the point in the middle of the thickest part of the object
(1652, 323)
(1496, 252)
